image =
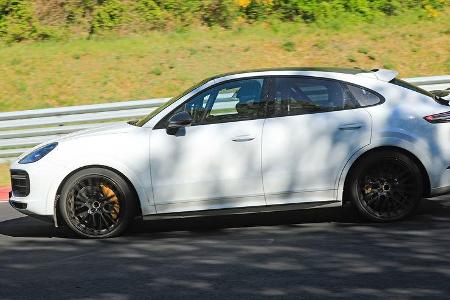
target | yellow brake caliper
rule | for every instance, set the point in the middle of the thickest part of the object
(109, 194)
(367, 188)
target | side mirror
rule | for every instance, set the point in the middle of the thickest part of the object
(177, 121)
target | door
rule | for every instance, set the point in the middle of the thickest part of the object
(216, 162)
(313, 127)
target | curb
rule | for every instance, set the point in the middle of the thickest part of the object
(4, 193)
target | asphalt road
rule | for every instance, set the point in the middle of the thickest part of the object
(313, 254)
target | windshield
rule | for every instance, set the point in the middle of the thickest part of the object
(148, 117)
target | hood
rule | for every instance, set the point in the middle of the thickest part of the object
(102, 130)
(107, 129)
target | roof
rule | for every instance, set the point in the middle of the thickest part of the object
(380, 74)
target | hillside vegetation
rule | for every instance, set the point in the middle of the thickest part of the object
(162, 64)
(68, 52)
(58, 19)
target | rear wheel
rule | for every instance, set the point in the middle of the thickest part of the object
(386, 186)
(97, 203)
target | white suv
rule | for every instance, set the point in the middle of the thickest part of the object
(247, 142)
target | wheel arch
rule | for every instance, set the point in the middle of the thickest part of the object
(57, 214)
(424, 174)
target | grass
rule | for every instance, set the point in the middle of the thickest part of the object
(351, 58)
(162, 64)
(363, 50)
(4, 175)
(289, 46)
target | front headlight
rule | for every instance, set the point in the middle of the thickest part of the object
(38, 154)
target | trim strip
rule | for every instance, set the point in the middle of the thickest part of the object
(245, 210)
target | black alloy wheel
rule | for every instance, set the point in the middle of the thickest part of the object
(97, 203)
(386, 186)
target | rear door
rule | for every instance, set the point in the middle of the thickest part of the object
(314, 126)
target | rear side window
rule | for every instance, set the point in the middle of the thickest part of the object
(363, 96)
(306, 95)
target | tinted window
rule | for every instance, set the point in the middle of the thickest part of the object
(363, 96)
(232, 101)
(304, 95)
(148, 117)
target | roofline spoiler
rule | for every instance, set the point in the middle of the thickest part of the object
(380, 74)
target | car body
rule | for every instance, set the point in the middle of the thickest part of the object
(238, 154)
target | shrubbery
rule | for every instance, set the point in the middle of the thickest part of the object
(17, 21)
(151, 13)
(108, 15)
(45, 19)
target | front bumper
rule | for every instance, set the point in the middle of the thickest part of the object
(44, 178)
(17, 205)
(22, 208)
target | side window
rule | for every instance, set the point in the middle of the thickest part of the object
(228, 102)
(363, 96)
(306, 95)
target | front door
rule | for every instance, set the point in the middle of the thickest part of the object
(216, 162)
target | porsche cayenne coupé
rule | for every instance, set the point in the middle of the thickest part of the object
(263, 140)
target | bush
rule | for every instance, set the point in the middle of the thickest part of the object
(79, 11)
(182, 10)
(256, 9)
(108, 15)
(48, 19)
(150, 13)
(287, 10)
(313, 10)
(389, 8)
(16, 20)
(219, 12)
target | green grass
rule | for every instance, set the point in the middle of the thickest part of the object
(351, 58)
(4, 175)
(289, 46)
(162, 64)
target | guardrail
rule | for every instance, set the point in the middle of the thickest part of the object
(21, 130)
(431, 83)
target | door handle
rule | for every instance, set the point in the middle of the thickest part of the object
(353, 126)
(243, 138)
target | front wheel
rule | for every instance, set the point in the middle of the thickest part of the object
(97, 203)
(386, 186)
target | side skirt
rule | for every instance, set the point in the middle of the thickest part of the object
(245, 210)
(440, 191)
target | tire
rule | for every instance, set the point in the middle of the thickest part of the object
(386, 186)
(97, 203)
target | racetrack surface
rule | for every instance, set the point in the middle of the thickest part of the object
(310, 254)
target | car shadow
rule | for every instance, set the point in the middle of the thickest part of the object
(30, 227)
